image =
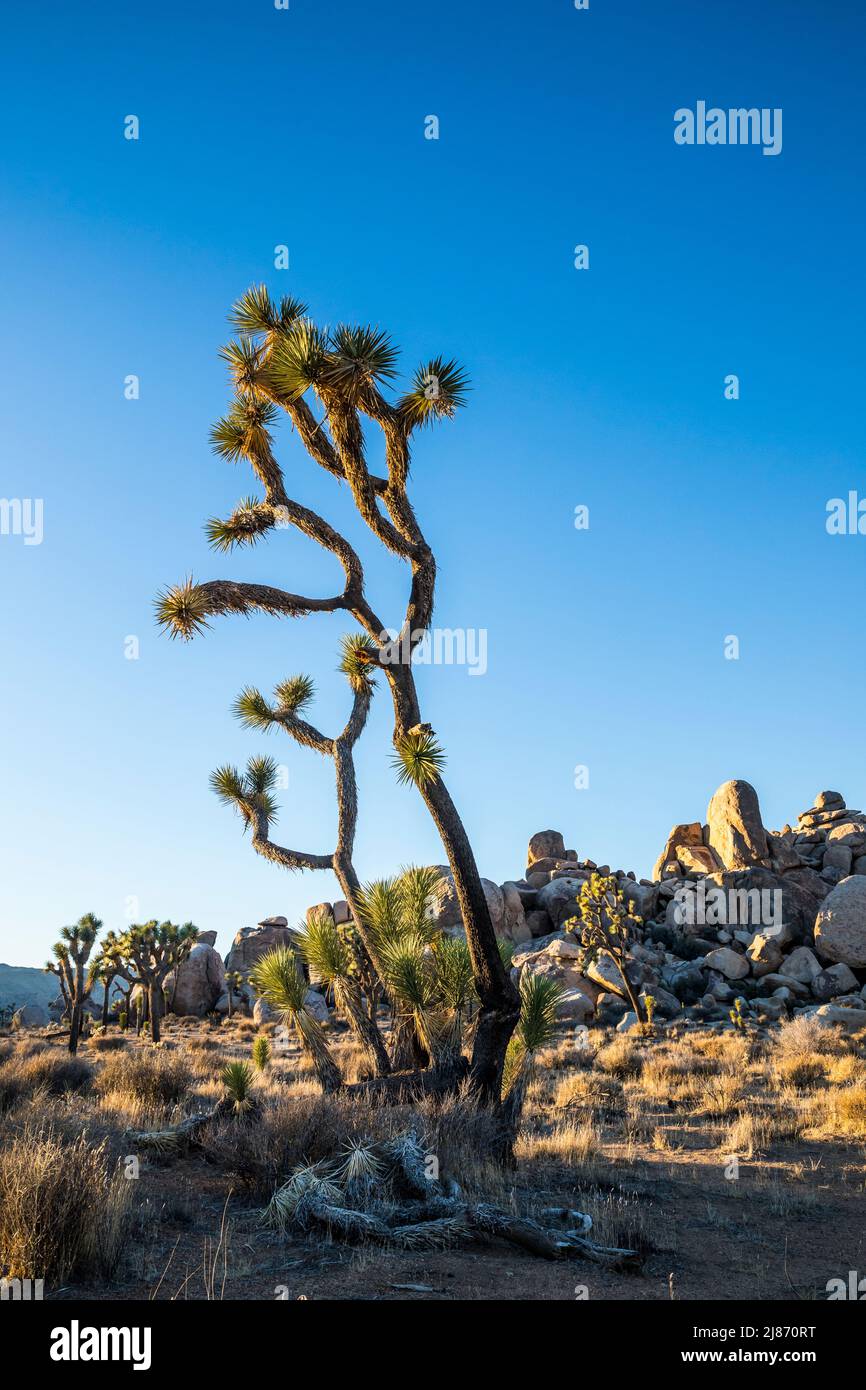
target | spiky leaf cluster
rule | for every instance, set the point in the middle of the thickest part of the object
(181, 611)
(419, 758)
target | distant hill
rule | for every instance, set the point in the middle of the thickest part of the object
(22, 984)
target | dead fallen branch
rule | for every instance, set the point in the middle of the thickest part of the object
(382, 1194)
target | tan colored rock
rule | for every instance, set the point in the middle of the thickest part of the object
(545, 844)
(698, 859)
(728, 963)
(198, 983)
(736, 831)
(764, 955)
(840, 929)
(686, 834)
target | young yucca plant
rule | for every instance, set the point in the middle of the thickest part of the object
(419, 758)
(237, 1078)
(329, 957)
(539, 999)
(261, 1054)
(452, 974)
(410, 980)
(277, 979)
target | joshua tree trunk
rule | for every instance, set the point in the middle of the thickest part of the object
(154, 1000)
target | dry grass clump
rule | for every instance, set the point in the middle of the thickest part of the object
(23, 1076)
(64, 1208)
(152, 1077)
(720, 1095)
(620, 1058)
(106, 1042)
(569, 1141)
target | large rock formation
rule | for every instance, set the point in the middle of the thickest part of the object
(199, 981)
(736, 831)
(730, 914)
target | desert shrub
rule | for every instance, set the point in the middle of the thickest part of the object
(155, 1078)
(803, 1037)
(845, 1110)
(52, 1073)
(64, 1208)
(620, 1057)
(106, 1042)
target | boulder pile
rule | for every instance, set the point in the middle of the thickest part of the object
(733, 912)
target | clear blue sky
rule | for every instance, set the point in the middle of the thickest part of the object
(604, 387)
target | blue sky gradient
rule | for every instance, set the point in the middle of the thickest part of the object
(604, 388)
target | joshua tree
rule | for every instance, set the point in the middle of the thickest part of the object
(234, 980)
(328, 954)
(276, 977)
(72, 953)
(279, 359)
(261, 1053)
(105, 971)
(605, 927)
(539, 998)
(149, 952)
(252, 793)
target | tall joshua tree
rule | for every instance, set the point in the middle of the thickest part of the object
(71, 956)
(280, 361)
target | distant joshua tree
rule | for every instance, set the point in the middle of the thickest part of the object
(279, 359)
(146, 954)
(71, 955)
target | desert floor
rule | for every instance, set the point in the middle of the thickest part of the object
(734, 1162)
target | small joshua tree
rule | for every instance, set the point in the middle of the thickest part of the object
(605, 927)
(150, 951)
(71, 956)
(237, 1078)
(539, 999)
(328, 954)
(278, 980)
(279, 362)
(261, 1054)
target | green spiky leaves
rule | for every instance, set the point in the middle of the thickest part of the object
(294, 694)
(250, 519)
(359, 659)
(246, 360)
(248, 791)
(182, 611)
(237, 1078)
(539, 999)
(360, 356)
(298, 360)
(324, 949)
(419, 759)
(255, 312)
(245, 431)
(438, 390)
(291, 696)
(277, 978)
(252, 709)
